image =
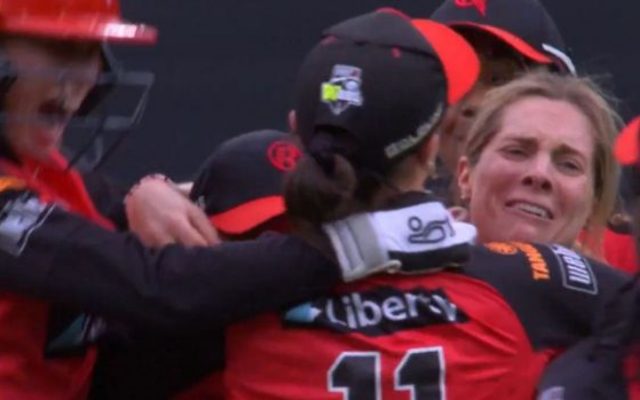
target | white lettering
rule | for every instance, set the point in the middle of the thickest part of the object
(563, 251)
(351, 319)
(394, 309)
(450, 309)
(411, 303)
(331, 314)
(351, 97)
(368, 312)
(409, 141)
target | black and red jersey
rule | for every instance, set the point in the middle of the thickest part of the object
(485, 331)
(32, 330)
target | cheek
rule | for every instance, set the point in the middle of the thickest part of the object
(492, 178)
(24, 95)
(578, 200)
(491, 185)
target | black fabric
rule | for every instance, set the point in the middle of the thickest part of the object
(5, 150)
(437, 259)
(593, 368)
(630, 185)
(386, 27)
(576, 375)
(155, 367)
(108, 197)
(174, 290)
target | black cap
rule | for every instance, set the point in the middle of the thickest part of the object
(240, 185)
(524, 25)
(384, 81)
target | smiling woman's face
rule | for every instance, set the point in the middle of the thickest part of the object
(534, 180)
(53, 79)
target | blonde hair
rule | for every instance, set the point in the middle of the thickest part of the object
(582, 93)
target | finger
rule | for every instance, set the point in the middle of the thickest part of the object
(186, 234)
(201, 223)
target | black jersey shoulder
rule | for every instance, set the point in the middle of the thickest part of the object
(555, 291)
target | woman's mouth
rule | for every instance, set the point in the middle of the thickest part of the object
(531, 209)
(53, 112)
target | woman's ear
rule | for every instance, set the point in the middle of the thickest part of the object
(464, 179)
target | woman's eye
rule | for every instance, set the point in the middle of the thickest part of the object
(571, 166)
(514, 151)
(469, 112)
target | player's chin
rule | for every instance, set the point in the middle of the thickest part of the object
(531, 233)
(42, 150)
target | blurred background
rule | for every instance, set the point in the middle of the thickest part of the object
(228, 66)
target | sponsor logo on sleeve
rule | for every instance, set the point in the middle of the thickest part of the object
(576, 271)
(377, 312)
(539, 267)
(19, 218)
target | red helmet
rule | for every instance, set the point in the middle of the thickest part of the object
(84, 20)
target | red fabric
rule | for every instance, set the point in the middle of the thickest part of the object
(620, 251)
(627, 144)
(24, 373)
(632, 373)
(487, 357)
(210, 388)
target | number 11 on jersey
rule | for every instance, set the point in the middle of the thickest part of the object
(357, 375)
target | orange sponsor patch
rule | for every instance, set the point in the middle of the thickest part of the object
(503, 248)
(9, 182)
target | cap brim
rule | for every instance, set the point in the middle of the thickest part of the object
(626, 147)
(84, 29)
(515, 42)
(248, 215)
(459, 60)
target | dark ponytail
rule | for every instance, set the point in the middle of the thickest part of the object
(319, 191)
(328, 183)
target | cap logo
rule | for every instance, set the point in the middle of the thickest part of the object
(283, 155)
(343, 89)
(480, 5)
